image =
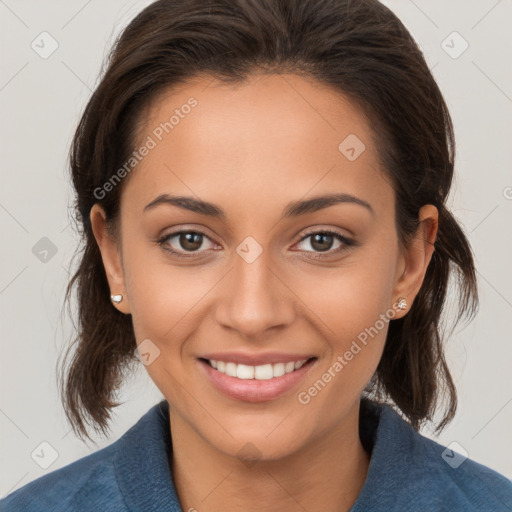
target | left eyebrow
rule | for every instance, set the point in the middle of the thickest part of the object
(293, 209)
(297, 208)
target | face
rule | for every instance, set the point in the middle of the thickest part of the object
(261, 269)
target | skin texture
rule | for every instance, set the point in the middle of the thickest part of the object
(251, 149)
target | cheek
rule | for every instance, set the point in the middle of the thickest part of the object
(167, 305)
(351, 306)
(164, 298)
(354, 319)
(161, 299)
(350, 297)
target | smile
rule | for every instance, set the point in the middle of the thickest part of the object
(255, 383)
(262, 372)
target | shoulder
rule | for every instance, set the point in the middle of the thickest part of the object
(409, 471)
(130, 474)
(460, 481)
(86, 484)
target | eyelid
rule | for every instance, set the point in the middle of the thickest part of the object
(183, 254)
(329, 231)
(345, 241)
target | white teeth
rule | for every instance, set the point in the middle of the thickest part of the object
(262, 372)
(289, 367)
(278, 369)
(230, 369)
(244, 372)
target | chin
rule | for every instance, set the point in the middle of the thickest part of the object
(259, 442)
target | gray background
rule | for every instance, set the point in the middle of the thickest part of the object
(41, 100)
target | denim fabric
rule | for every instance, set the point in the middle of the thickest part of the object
(408, 472)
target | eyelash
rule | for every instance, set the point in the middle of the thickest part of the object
(346, 243)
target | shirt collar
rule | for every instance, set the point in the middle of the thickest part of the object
(391, 441)
(142, 467)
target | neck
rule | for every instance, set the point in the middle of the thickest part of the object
(327, 473)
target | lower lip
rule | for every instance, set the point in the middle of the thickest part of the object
(255, 390)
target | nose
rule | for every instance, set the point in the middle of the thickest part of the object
(254, 299)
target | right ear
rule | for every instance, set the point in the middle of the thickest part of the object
(111, 256)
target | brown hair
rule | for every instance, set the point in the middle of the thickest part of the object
(360, 48)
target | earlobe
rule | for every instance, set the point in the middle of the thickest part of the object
(111, 257)
(417, 257)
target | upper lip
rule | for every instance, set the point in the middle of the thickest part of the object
(256, 359)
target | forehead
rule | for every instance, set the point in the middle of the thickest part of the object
(272, 136)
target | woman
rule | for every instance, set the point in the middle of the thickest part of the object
(262, 192)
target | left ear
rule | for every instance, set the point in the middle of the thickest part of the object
(416, 258)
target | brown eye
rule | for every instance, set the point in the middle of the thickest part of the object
(323, 241)
(185, 243)
(190, 241)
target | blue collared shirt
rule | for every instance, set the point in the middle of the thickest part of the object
(407, 472)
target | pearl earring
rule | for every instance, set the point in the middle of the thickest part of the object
(116, 298)
(402, 303)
